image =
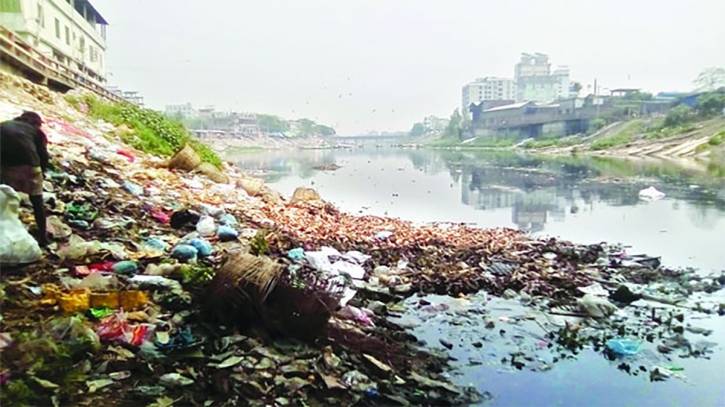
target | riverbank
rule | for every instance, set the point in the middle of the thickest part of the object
(697, 141)
(159, 242)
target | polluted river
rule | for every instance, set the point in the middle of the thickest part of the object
(518, 350)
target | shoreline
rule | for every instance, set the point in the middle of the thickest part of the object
(136, 200)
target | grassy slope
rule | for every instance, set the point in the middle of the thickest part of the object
(150, 131)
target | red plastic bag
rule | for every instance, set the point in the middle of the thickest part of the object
(161, 216)
(106, 266)
(116, 328)
(127, 154)
(113, 328)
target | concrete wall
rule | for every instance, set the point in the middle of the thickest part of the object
(73, 36)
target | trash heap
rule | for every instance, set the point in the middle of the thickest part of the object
(165, 286)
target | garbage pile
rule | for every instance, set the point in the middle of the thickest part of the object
(133, 301)
(165, 286)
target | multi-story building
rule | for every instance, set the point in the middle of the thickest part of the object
(434, 123)
(563, 85)
(185, 111)
(536, 83)
(131, 96)
(72, 32)
(488, 88)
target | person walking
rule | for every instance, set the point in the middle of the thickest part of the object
(23, 160)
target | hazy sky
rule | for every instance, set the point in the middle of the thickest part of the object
(385, 64)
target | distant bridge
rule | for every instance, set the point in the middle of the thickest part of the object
(353, 139)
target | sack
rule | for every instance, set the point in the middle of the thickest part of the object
(17, 246)
(252, 186)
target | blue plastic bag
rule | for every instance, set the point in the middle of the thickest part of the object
(226, 233)
(126, 268)
(228, 220)
(184, 252)
(623, 347)
(202, 246)
(297, 254)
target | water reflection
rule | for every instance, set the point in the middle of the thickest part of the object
(582, 199)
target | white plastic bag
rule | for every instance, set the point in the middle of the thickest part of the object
(17, 246)
(206, 226)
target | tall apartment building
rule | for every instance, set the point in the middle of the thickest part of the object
(535, 82)
(72, 32)
(488, 88)
(563, 84)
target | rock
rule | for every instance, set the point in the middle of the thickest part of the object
(175, 380)
(378, 365)
(403, 289)
(252, 186)
(446, 343)
(509, 294)
(596, 307)
(305, 195)
(377, 307)
(624, 295)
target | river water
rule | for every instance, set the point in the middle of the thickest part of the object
(585, 200)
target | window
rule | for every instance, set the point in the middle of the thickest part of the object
(41, 16)
(83, 46)
(67, 35)
(57, 28)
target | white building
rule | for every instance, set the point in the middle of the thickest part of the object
(434, 123)
(563, 84)
(488, 88)
(186, 111)
(535, 82)
(72, 32)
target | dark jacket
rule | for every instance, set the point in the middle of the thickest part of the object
(22, 144)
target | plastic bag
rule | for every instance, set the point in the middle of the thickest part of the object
(202, 246)
(228, 220)
(184, 252)
(17, 246)
(57, 228)
(353, 270)
(227, 233)
(78, 248)
(206, 226)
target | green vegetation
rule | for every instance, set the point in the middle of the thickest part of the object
(598, 123)
(681, 119)
(150, 131)
(247, 149)
(717, 139)
(417, 130)
(710, 104)
(48, 358)
(552, 142)
(611, 141)
(624, 136)
(679, 115)
(269, 123)
(481, 142)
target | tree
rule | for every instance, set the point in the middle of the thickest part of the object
(575, 87)
(326, 131)
(454, 125)
(417, 130)
(270, 123)
(678, 115)
(711, 103)
(710, 79)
